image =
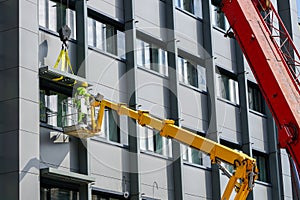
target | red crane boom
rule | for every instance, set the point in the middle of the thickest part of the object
(274, 61)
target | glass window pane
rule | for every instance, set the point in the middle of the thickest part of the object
(180, 69)
(196, 156)
(192, 75)
(158, 143)
(165, 63)
(140, 52)
(233, 91)
(91, 28)
(147, 60)
(143, 138)
(71, 22)
(52, 16)
(201, 77)
(154, 58)
(150, 139)
(188, 5)
(114, 134)
(178, 3)
(42, 12)
(110, 39)
(121, 44)
(198, 8)
(100, 36)
(184, 152)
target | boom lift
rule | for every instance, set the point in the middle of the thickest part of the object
(274, 61)
(242, 180)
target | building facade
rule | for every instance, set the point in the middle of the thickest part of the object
(169, 57)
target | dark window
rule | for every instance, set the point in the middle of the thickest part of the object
(53, 15)
(110, 126)
(263, 166)
(191, 73)
(218, 19)
(256, 101)
(228, 88)
(105, 196)
(57, 193)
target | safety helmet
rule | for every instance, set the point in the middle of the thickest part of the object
(84, 84)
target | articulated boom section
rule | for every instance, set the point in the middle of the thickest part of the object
(274, 61)
(242, 180)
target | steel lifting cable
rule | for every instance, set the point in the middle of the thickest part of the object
(64, 55)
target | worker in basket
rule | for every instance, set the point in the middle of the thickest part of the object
(81, 101)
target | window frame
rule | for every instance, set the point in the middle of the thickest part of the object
(257, 155)
(215, 14)
(118, 34)
(108, 115)
(188, 152)
(152, 56)
(69, 10)
(50, 183)
(195, 9)
(258, 99)
(150, 145)
(183, 73)
(51, 86)
(231, 80)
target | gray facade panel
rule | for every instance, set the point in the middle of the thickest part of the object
(189, 34)
(29, 157)
(193, 106)
(150, 18)
(29, 16)
(229, 122)
(262, 191)
(197, 183)
(106, 71)
(29, 116)
(111, 173)
(29, 48)
(29, 186)
(155, 176)
(152, 88)
(224, 51)
(112, 8)
(61, 156)
(259, 132)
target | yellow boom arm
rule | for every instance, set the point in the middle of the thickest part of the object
(245, 167)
